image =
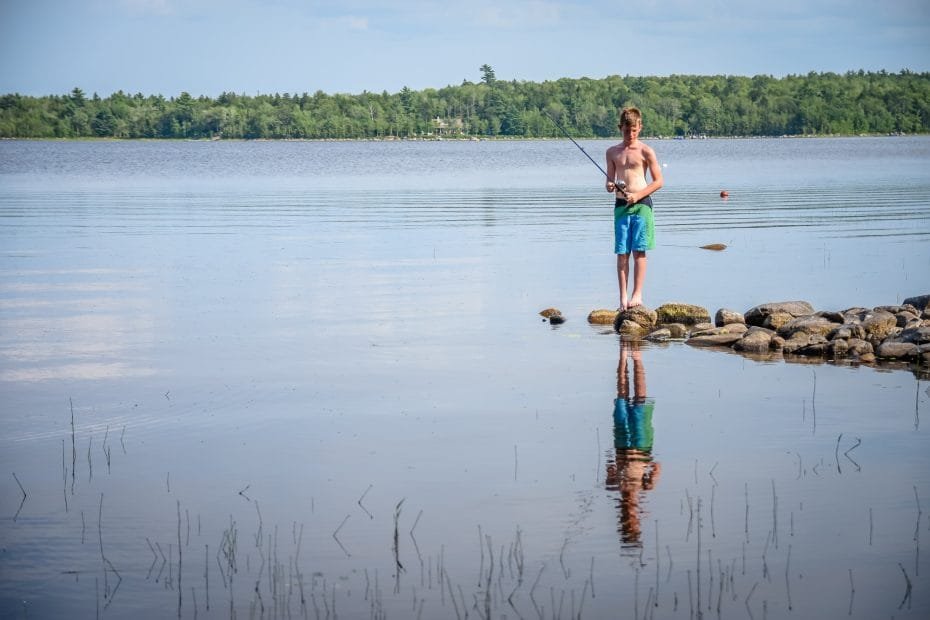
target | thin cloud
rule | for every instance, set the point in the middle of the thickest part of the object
(519, 15)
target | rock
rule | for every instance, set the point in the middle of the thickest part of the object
(776, 320)
(879, 324)
(714, 340)
(811, 325)
(815, 349)
(859, 347)
(838, 347)
(907, 319)
(914, 335)
(921, 302)
(630, 328)
(548, 312)
(556, 319)
(835, 317)
(900, 308)
(697, 327)
(867, 358)
(681, 313)
(755, 340)
(602, 317)
(660, 335)
(854, 315)
(716, 247)
(756, 315)
(777, 342)
(641, 315)
(896, 350)
(725, 316)
(732, 328)
(797, 341)
(846, 331)
(677, 330)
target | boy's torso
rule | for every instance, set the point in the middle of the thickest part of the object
(630, 163)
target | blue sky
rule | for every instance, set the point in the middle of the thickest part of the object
(206, 47)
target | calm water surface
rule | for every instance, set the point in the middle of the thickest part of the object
(269, 379)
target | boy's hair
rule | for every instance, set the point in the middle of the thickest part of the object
(631, 116)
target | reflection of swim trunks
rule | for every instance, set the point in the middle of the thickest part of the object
(634, 227)
(633, 424)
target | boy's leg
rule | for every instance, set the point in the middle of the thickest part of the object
(623, 275)
(639, 263)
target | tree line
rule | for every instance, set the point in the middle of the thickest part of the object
(678, 105)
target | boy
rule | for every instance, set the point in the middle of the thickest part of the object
(634, 229)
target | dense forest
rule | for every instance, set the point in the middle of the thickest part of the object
(678, 105)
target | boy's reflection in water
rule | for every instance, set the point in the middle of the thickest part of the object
(633, 472)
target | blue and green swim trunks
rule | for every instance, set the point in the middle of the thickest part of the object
(634, 227)
(633, 424)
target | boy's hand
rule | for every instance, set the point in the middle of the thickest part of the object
(611, 187)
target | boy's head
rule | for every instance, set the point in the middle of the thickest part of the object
(630, 117)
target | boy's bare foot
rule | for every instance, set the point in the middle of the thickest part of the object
(635, 301)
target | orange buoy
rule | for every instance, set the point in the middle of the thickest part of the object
(724, 193)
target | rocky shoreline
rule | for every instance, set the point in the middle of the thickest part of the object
(895, 334)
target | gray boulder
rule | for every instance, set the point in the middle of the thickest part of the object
(846, 331)
(641, 315)
(755, 340)
(725, 316)
(757, 315)
(731, 328)
(896, 350)
(713, 340)
(659, 335)
(677, 330)
(921, 302)
(777, 320)
(811, 325)
(879, 324)
(629, 328)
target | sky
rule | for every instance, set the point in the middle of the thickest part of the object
(206, 47)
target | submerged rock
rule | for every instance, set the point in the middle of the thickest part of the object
(713, 340)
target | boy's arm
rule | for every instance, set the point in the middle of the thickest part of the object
(655, 173)
(611, 171)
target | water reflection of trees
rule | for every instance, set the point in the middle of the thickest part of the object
(632, 470)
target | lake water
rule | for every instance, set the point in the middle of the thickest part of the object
(301, 379)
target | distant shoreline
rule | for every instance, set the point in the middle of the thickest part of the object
(467, 138)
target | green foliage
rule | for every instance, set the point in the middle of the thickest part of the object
(677, 105)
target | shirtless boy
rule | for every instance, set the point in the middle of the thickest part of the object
(634, 229)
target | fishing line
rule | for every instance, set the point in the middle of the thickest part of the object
(604, 172)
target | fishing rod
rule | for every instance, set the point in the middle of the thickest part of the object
(567, 135)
